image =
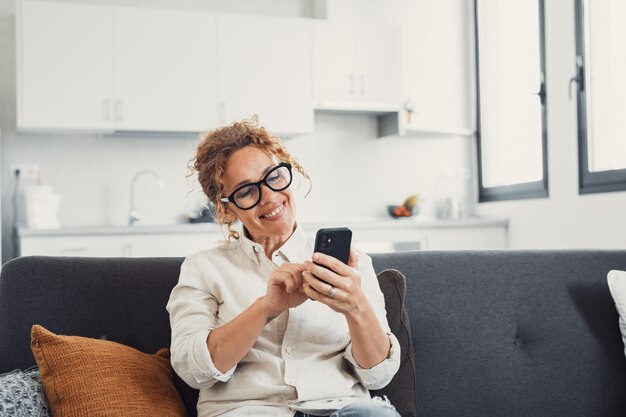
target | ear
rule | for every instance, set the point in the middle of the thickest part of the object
(230, 215)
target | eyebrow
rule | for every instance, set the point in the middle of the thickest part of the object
(249, 181)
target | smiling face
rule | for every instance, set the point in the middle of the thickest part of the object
(272, 220)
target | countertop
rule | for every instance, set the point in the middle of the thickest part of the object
(354, 223)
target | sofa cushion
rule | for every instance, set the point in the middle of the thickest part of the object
(93, 377)
(402, 396)
(21, 394)
(617, 286)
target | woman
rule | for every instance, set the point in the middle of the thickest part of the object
(258, 327)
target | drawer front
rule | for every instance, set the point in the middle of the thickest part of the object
(72, 246)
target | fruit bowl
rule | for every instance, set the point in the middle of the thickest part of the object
(393, 212)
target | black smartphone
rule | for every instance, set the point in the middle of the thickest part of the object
(334, 242)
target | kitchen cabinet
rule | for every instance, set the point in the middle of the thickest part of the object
(182, 240)
(408, 234)
(165, 70)
(264, 68)
(356, 63)
(439, 68)
(119, 68)
(171, 244)
(95, 67)
(135, 241)
(72, 246)
(64, 62)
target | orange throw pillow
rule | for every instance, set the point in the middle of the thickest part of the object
(93, 377)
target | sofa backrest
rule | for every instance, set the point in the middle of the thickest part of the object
(123, 299)
(495, 333)
(514, 333)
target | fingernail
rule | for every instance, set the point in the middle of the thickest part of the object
(315, 256)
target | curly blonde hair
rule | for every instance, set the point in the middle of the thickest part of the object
(218, 145)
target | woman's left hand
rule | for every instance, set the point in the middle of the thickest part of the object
(348, 297)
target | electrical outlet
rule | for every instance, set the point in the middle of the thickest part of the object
(28, 172)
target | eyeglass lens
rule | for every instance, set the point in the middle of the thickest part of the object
(277, 179)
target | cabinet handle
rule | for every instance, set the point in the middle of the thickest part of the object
(119, 110)
(351, 84)
(106, 110)
(362, 84)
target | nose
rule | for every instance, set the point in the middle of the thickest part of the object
(267, 194)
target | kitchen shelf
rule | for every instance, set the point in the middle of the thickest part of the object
(357, 107)
(387, 115)
(422, 131)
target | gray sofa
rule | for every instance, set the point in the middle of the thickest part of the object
(492, 333)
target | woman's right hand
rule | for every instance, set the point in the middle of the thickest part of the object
(284, 289)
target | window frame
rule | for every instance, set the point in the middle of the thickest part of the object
(589, 182)
(531, 189)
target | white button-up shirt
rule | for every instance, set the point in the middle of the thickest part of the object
(302, 360)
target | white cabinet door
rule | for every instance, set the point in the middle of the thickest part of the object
(379, 63)
(357, 62)
(479, 238)
(165, 70)
(170, 244)
(265, 69)
(438, 61)
(65, 53)
(113, 245)
(334, 62)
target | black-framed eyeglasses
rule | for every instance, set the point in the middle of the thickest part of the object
(248, 195)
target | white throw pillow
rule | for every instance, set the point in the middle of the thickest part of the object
(617, 286)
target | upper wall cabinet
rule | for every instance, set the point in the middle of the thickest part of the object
(165, 72)
(356, 63)
(94, 67)
(265, 68)
(65, 57)
(116, 68)
(438, 66)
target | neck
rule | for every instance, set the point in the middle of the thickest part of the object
(269, 243)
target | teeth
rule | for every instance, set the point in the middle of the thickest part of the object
(275, 212)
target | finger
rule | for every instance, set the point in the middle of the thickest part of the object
(332, 263)
(295, 272)
(311, 293)
(317, 284)
(297, 278)
(290, 283)
(321, 296)
(353, 260)
(316, 295)
(326, 275)
(283, 279)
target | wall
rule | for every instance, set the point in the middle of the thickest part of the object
(565, 219)
(354, 174)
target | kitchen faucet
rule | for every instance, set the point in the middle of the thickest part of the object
(134, 215)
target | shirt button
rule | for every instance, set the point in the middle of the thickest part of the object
(256, 249)
(288, 350)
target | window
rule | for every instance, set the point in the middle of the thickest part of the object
(601, 95)
(511, 100)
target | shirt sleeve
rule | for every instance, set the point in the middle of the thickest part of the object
(380, 375)
(193, 310)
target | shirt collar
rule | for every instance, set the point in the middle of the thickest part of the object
(296, 249)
